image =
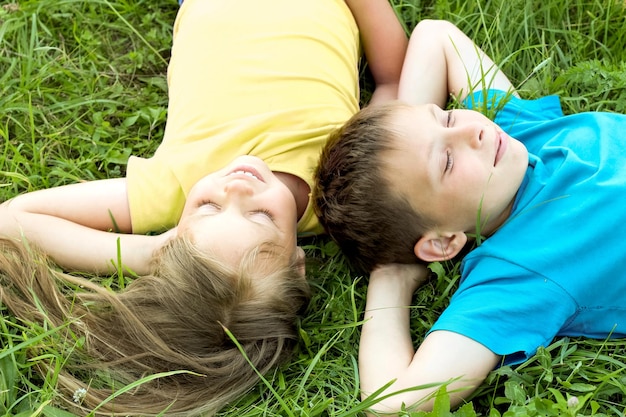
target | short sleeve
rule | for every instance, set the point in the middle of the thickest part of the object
(155, 196)
(511, 108)
(508, 309)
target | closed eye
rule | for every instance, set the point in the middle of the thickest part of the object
(449, 161)
(209, 203)
(265, 212)
(449, 119)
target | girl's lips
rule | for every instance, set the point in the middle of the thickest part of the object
(502, 143)
(246, 171)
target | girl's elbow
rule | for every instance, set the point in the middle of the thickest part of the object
(9, 219)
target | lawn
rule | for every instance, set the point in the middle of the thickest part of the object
(82, 86)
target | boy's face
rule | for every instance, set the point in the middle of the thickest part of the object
(238, 208)
(453, 165)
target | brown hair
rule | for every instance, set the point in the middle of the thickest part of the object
(355, 203)
(172, 320)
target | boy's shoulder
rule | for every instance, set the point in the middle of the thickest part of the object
(507, 109)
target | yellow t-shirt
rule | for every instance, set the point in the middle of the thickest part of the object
(264, 78)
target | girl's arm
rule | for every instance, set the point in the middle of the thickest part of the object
(74, 223)
(384, 43)
(386, 350)
(442, 61)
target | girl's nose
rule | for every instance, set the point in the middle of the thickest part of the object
(238, 187)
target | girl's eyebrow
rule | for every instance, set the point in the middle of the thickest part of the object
(434, 111)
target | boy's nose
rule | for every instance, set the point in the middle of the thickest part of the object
(473, 134)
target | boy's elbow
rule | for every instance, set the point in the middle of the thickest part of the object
(436, 31)
(386, 407)
(434, 26)
(395, 404)
(392, 402)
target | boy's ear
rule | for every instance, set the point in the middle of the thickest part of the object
(437, 246)
(301, 261)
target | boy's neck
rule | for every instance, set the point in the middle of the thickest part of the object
(494, 225)
(299, 188)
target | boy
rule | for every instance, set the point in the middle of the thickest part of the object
(210, 221)
(411, 183)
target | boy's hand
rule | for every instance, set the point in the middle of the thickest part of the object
(387, 354)
(408, 276)
(442, 61)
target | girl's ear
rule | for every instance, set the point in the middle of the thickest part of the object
(301, 261)
(437, 246)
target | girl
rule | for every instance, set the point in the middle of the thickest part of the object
(254, 87)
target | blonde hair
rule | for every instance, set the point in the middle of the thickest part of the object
(171, 320)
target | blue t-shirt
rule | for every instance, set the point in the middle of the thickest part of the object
(557, 266)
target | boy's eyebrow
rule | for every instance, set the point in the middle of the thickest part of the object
(431, 147)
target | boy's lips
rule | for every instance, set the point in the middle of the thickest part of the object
(502, 141)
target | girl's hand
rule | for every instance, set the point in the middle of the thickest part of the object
(80, 226)
(384, 43)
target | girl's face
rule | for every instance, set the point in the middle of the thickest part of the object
(458, 168)
(239, 208)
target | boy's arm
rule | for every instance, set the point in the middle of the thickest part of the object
(386, 350)
(442, 61)
(384, 43)
(71, 224)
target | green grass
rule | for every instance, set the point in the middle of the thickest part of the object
(82, 86)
